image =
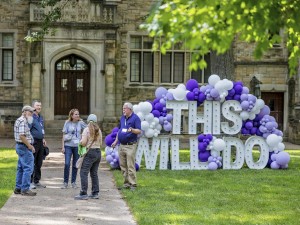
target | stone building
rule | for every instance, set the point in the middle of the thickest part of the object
(99, 58)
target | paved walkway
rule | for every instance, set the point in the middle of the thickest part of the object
(53, 205)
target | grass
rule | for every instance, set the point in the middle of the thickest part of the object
(8, 166)
(216, 197)
(200, 197)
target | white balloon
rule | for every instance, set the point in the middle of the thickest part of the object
(158, 127)
(260, 103)
(273, 140)
(149, 133)
(244, 115)
(156, 120)
(219, 144)
(213, 79)
(146, 107)
(214, 153)
(141, 116)
(149, 117)
(179, 94)
(252, 116)
(136, 108)
(281, 146)
(144, 125)
(181, 86)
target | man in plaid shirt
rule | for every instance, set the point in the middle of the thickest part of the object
(25, 150)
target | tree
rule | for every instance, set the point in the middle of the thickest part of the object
(212, 25)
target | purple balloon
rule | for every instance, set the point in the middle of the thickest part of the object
(201, 97)
(251, 98)
(238, 89)
(282, 158)
(236, 97)
(190, 96)
(109, 140)
(156, 113)
(191, 84)
(231, 92)
(160, 92)
(249, 125)
(169, 117)
(209, 137)
(137, 167)
(159, 106)
(245, 131)
(168, 126)
(214, 93)
(115, 129)
(274, 165)
(245, 105)
(253, 130)
(203, 156)
(109, 158)
(169, 96)
(202, 146)
(212, 166)
(201, 137)
(244, 97)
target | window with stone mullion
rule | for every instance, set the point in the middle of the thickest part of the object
(7, 45)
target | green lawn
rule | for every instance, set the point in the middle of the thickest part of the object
(216, 197)
(201, 197)
(8, 165)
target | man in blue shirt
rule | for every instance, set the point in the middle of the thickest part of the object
(129, 128)
(37, 131)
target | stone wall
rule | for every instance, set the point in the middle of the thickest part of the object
(13, 19)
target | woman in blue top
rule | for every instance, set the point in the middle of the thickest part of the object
(72, 130)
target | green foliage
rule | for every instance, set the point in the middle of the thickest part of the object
(8, 165)
(207, 25)
(49, 18)
(216, 197)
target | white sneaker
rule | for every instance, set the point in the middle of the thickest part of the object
(65, 186)
(74, 185)
(32, 186)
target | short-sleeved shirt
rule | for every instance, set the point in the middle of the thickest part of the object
(97, 143)
(21, 128)
(37, 127)
(132, 121)
(75, 129)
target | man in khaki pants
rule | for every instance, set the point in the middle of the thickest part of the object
(129, 128)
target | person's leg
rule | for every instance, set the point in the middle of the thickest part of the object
(27, 164)
(123, 164)
(74, 168)
(131, 150)
(39, 155)
(19, 175)
(68, 155)
(94, 172)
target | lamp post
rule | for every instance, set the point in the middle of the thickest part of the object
(255, 86)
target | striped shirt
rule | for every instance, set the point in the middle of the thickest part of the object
(21, 128)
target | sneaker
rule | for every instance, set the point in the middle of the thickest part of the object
(32, 186)
(39, 185)
(94, 196)
(125, 186)
(17, 191)
(81, 197)
(28, 193)
(74, 185)
(65, 186)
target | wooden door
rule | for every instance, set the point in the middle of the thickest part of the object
(275, 101)
(72, 85)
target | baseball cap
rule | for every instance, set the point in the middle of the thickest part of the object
(28, 108)
(92, 117)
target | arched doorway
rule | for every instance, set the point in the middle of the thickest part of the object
(72, 85)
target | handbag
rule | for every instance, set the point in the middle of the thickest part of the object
(81, 150)
(68, 137)
(81, 158)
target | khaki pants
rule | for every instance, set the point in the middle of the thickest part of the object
(127, 163)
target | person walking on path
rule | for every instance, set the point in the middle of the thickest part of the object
(92, 139)
(72, 130)
(129, 128)
(37, 131)
(25, 150)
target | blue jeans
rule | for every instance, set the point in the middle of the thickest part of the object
(69, 151)
(90, 165)
(24, 168)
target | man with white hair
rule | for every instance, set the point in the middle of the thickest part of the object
(25, 150)
(129, 128)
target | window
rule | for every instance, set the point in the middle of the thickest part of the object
(141, 59)
(202, 75)
(7, 56)
(153, 67)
